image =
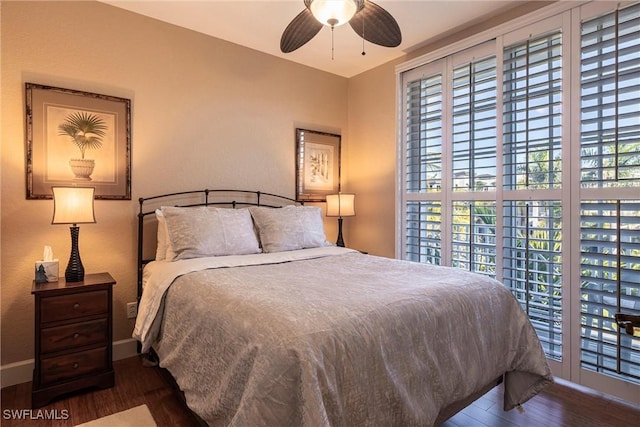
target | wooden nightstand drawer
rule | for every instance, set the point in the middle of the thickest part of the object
(73, 336)
(72, 306)
(73, 365)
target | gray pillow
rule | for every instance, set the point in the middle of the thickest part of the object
(289, 228)
(209, 231)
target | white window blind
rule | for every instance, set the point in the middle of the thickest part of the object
(473, 237)
(424, 232)
(610, 100)
(474, 126)
(520, 160)
(424, 135)
(610, 163)
(532, 260)
(532, 113)
(532, 144)
(610, 284)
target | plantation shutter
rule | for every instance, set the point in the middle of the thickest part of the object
(532, 98)
(473, 237)
(532, 266)
(474, 126)
(424, 134)
(532, 147)
(610, 100)
(424, 232)
(610, 164)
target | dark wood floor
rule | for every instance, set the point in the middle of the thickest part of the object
(557, 406)
(135, 385)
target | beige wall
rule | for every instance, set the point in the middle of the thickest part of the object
(205, 113)
(371, 160)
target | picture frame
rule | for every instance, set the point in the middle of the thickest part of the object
(317, 165)
(77, 138)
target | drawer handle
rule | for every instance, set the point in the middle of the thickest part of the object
(75, 336)
(76, 365)
(76, 306)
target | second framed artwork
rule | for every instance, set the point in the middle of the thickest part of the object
(77, 138)
(317, 165)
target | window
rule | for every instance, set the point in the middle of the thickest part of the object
(423, 230)
(424, 135)
(474, 126)
(532, 104)
(532, 153)
(610, 163)
(610, 91)
(532, 266)
(610, 283)
(522, 162)
(473, 237)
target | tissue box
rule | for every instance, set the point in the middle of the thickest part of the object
(46, 271)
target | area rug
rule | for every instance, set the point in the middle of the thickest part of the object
(134, 417)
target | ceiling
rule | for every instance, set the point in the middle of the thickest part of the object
(258, 24)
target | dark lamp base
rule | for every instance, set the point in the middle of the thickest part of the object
(340, 241)
(75, 270)
(74, 275)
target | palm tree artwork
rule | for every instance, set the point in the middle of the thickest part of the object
(86, 131)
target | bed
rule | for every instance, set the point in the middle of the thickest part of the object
(261, 321)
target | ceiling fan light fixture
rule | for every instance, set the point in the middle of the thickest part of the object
(371, 22)
(333, 13)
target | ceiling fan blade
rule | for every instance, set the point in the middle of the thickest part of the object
(376, 25)
(299, 31)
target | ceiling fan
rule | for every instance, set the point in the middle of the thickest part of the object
(368, 20)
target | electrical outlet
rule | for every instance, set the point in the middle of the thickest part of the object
(132, 310)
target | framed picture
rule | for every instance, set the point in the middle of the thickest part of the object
(317, 165)
(77, 138)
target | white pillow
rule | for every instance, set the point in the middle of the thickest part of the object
(208, 231)
(163, 248)
(161, 245)
(289, 228)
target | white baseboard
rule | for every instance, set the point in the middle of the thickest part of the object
(22, 372)
(124, 349)
(16, 373)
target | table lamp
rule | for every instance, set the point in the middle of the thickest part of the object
(341, 205)
(73, 205)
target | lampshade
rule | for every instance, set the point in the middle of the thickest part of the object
(341, 205)
(333, 12)
(73, 205)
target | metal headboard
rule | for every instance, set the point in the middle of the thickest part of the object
(223, 198)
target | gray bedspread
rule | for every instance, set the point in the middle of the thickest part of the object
(344, 340)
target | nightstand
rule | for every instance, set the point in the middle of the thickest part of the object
(73, 336)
